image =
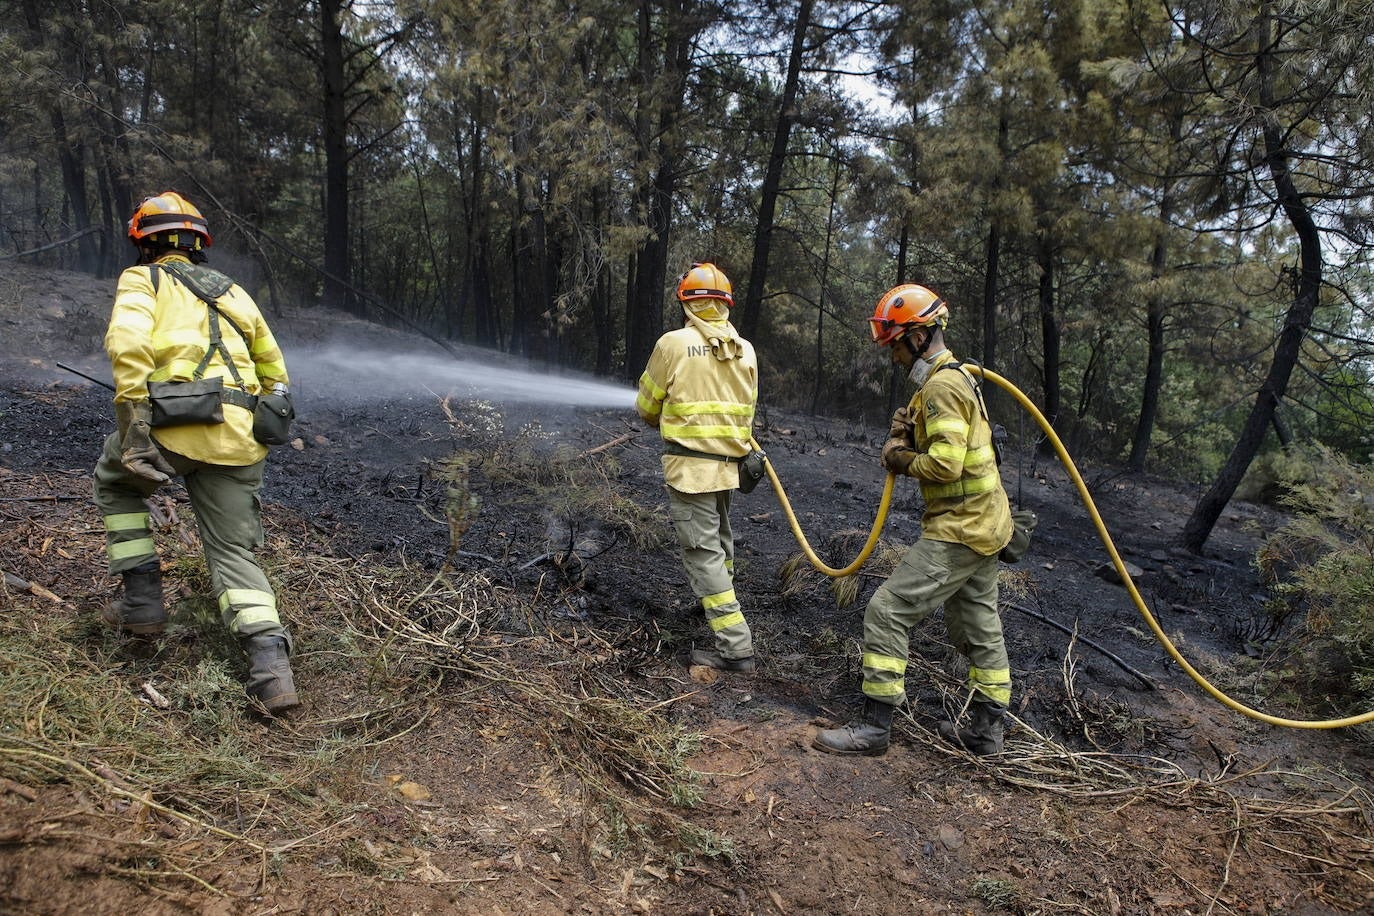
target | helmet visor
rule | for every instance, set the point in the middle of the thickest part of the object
(885, 330)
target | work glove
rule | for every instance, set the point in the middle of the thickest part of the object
(898, 455)
(902, 426)
(137, 451)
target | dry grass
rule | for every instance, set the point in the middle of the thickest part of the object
(801, 580)
(601, 727)
(574, 485)
(1307, 823)
(191, 785)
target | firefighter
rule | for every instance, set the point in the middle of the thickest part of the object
(181, 327)
(944, 440)
(699, 391)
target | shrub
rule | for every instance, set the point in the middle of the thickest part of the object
(1322, 562)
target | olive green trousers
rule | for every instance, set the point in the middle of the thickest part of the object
(228, 516)
(702, 523)
(930, 574)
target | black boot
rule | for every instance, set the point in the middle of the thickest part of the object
(139, 610)
(984, 734)
(270, 682)
(712, 659)
(869, 736)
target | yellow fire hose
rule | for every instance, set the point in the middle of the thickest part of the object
(1030, 408)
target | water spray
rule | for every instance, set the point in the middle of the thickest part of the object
(379, 375)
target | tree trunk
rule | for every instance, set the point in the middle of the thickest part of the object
(1295, 326)
(70, 157)
(820, 306)
(903, 250)
(116, 198)
(990, 277)
(1049, 330)
(895, 375)
(648, 272)
(772, 178)
(529, 254)
(337, 285)
(476, 292)
(601, 294)
(1154, 380)
(1154, 360)
(441, 295)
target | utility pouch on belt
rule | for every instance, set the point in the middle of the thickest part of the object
(179, 403)
(1023, 522)
(751, 470)
(272, 419)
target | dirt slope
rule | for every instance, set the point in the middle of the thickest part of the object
(516, 732)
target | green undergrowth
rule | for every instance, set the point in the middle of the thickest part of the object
(1320, 572)
(579, 487)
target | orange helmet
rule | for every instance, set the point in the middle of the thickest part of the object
(905, 307)
(165, 216)
(705, 280)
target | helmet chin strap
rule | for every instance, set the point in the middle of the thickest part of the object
(925, 345)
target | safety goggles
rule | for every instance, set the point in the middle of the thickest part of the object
(885, 330)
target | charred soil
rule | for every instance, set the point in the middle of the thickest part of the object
(492, 625)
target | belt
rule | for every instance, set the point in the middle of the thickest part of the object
(239, 398)
(672, 448)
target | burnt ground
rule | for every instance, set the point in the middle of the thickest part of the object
(1124, 789)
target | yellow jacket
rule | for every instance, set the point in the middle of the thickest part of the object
(163, 335)
(957, 467)
(702, 402)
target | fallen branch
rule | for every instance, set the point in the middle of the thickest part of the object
(157, 699)
(33, 588)
(53, 497)
(103, 776)
(618, 440)
(56, 244)
(1149, 684)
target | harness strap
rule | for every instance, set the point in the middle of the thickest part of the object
(238, 397)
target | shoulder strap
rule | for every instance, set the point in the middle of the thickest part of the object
(208, 285)
(996, 431)
(973, 385)
(205, 282)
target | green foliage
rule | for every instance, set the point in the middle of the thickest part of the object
(511, 169)
(707, 844)
(67, 697)
(574, 486)
(1323, 562)
(997, 893)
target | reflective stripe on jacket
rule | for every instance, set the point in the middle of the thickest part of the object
(162, 334)
(957, 467)
(701, 402)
